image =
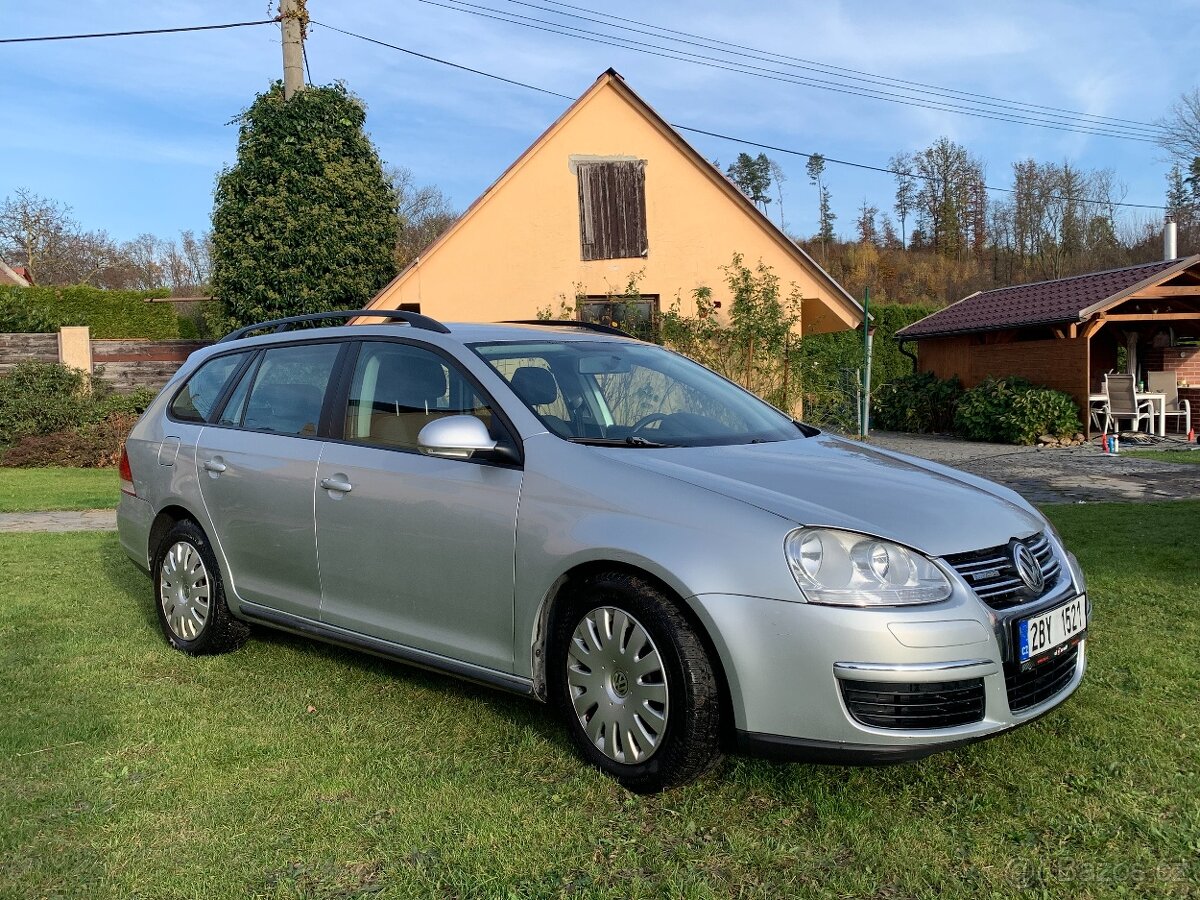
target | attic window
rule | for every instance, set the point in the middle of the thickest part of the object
(612, 209)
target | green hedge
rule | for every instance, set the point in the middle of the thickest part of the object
(920, 403)
(824, 363)
(109, 314)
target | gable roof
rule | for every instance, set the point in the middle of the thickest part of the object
(11, 276)
(1043, 302)
(611, 79)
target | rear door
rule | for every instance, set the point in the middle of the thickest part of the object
(257, 466)
(416, 549)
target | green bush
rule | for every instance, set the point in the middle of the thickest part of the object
(1014, 411)
(110, 315)
(39, 398)
(18, 316)
(921, 403)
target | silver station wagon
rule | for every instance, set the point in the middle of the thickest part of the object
(558, 510)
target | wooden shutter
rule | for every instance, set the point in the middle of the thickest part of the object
(612, 210)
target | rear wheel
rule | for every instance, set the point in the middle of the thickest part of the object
(190, 596)
(634, 684)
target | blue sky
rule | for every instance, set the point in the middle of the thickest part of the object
(131, 132)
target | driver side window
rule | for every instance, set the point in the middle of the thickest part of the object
(398, 389)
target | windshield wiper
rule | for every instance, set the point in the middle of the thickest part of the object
(630, 441)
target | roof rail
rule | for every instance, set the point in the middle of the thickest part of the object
(573, 323)
(416, 320)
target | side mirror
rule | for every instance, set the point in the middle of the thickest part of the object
(455, 437)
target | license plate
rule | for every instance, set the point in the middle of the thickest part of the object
(1045, 631)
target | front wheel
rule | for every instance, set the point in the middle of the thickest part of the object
(633, 682)
(190, 596)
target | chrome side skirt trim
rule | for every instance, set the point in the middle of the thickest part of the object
(957, 668)
(421, 658)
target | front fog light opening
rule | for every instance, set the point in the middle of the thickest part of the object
(842, 568)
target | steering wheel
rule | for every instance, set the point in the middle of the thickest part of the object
(647, 420)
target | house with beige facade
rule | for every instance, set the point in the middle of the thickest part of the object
(608, 196)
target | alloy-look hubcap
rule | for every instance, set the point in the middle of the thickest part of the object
(184, 591)
(618, 685)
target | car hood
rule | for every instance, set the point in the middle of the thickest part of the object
(826, 480)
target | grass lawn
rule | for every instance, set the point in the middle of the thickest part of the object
(1170, 456)
(291, 769)
(22, 490)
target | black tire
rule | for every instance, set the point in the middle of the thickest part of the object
(689, 743)
(220, 631)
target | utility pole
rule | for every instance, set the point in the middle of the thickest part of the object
(293, 18)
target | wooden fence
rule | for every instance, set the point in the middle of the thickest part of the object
(127, 364)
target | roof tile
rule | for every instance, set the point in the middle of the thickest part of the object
(1061, 300)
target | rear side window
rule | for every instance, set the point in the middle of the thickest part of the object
(287, 391)
(196, 400)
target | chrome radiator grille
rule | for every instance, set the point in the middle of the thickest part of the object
(993, 575)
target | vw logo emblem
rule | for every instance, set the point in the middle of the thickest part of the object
(1028, 568)
(620, 683)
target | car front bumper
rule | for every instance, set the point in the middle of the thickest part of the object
(786, 665)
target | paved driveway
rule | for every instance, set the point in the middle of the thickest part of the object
(1059, 474)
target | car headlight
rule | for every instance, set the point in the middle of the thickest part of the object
(842, 568)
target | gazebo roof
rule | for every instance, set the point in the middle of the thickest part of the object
(1044, 302)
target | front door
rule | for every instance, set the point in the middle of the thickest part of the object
(256, 467)
(415, 549)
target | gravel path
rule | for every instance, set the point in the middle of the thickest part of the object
(73, 520)
(1059, 474)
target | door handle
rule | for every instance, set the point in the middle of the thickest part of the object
(337, 484)
(215, 465)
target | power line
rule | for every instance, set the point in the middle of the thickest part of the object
(108, 34)
(718, 135)
(827, 68)
(916, 175)
(444, 62)
(623, 43)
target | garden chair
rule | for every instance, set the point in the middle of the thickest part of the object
(1124, 404)
(1165, 383)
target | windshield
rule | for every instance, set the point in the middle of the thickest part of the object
(634, 395)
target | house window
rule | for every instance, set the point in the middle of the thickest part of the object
(638, 316)
(612, 209)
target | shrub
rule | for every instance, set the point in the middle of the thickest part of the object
(111, 315)
(95, 446)
(20, 317)
(39, 398)
(1014, 411)
(921, 403)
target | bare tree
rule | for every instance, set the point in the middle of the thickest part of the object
(425, 212)
(34, 232)
(1181, 130)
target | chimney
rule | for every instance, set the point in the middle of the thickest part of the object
(1169, 232)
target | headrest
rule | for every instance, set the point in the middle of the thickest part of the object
(534, 385)
(410, 380)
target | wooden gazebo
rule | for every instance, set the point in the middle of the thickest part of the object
(1067, 333)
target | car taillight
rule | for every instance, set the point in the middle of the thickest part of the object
(126, 474)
